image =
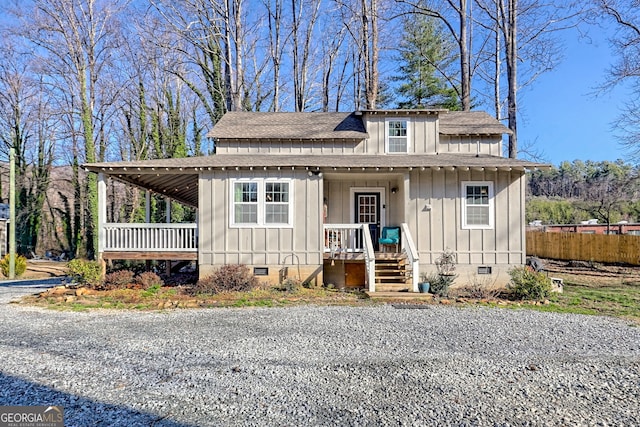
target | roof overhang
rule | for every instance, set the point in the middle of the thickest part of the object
(178, 178)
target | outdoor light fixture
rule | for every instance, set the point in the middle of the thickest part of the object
(394, 190)
(316, 173)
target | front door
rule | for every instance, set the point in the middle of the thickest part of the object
(367, 211)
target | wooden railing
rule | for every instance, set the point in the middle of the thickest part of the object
(340, 238)
(349, 238)
(369, 259)
(412, 255)
(158, 237)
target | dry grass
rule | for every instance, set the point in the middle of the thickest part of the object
(609, 290)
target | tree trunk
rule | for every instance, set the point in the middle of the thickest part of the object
(512, 63)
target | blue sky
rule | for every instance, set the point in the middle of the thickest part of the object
(560, 115)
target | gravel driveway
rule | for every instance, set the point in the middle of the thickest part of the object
(322, 366)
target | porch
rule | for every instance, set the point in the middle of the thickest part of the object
(350, 258)
(172, 243)
(348, 250)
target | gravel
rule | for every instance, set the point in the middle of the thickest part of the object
(322, 366)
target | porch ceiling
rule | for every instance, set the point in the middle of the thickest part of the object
(178, 178)
(182, 186)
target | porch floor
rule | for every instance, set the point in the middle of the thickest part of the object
(359, 256)
(191, 255)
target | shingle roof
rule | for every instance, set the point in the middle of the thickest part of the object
(307, 126)
(471, 123)
(315, 160)
(314, 126)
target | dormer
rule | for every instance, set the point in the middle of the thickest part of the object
(431, 132)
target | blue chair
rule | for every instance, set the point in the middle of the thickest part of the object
(390, 236)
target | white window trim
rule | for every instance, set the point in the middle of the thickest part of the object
(463, 196)
(386, 134)
(261, 182)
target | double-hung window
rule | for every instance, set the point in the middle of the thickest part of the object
(477, 204)
(397, 136)
(276, 206)
(245, 202)
(261, 202)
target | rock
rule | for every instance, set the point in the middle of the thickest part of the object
(81, 291)
(70, 298)
(58, 290)
(445, 302)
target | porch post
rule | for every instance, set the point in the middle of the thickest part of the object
(102, 219)
(147, 206)
(168, 221)
(147, 219)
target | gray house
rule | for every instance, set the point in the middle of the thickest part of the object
(310, 195)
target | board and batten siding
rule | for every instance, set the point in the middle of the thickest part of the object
(423, 133)
(471, 144)
(434, 214)
(288, 147)
(296, 247)
(338, 191)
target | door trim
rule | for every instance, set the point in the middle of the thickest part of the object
(352, 203)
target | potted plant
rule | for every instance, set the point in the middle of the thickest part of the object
(425, 282)
(438, 283)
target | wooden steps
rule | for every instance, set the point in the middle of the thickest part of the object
(392, 274)
(403, 296)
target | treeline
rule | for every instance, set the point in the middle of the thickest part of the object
(577, 191)
(85, 81)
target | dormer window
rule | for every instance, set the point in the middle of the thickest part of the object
(397, 136)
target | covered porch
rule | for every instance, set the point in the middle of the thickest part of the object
(174, 243)
(352, 257)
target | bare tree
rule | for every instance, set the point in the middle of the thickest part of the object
(626, 46)
(331, 50)
(360, 18)
(77, 44)
(276, 42)
(304, 16)
(28, 125)
(523, 34)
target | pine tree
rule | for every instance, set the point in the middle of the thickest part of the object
(426, 56)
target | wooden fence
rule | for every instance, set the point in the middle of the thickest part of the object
(612, 248)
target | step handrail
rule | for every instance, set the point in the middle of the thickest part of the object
(412, 255)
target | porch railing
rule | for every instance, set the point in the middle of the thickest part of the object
(369, 259)
(339, 238)
(349, 238)
(159, 237)
(412, 255)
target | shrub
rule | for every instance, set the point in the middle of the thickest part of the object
(290, 284)
(446, 263)
(228, 278)
(529, 285)
(120, 279)
(439, 283)
(87, 273)
(20, 265)
(148, 279)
